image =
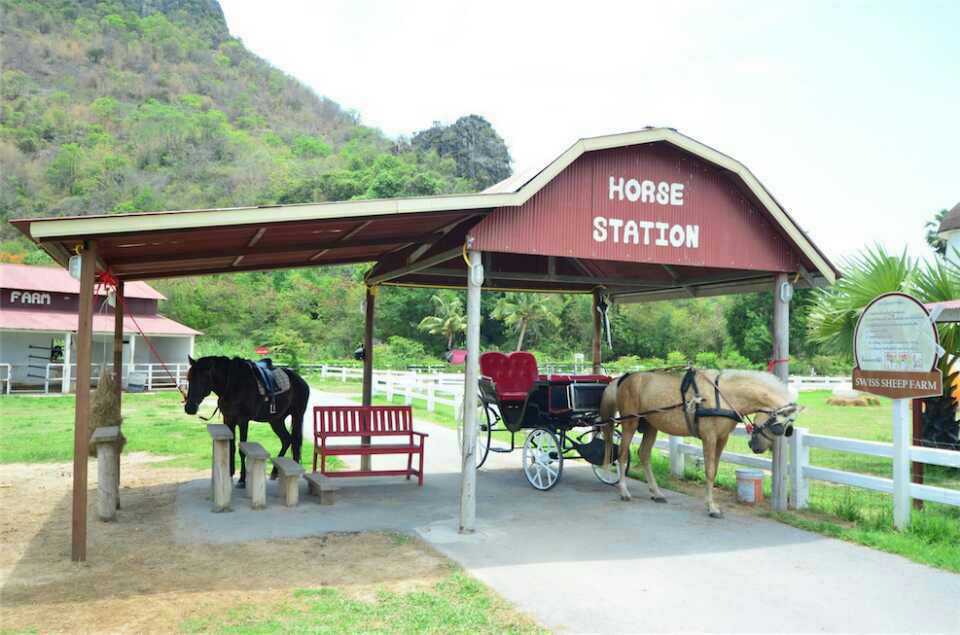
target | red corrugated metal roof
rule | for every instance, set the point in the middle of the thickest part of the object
(27, 320)
(57, 280)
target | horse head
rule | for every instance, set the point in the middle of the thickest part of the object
(200, 382)
(779, 422)
(774, 403)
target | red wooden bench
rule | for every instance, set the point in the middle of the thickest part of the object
(332, 422)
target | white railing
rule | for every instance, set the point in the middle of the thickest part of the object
(803, 383)
(801, 472)
(142, 376)
(7, 378)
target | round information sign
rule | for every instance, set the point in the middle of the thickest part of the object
(895, 333)
(896, 348)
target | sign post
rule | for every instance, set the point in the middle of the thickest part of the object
(896, 350)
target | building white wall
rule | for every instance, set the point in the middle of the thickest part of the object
(14, 350)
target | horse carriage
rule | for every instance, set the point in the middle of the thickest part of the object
(559, 415)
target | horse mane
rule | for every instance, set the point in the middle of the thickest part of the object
(768, 380)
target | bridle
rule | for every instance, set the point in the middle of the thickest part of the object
(772, 427)
(186, 399)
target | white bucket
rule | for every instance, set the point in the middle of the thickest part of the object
(750, 486)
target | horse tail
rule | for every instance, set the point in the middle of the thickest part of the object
(298, 409)
(608, 410)
(608, 402)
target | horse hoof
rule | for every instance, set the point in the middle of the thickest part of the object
(716, 514)
(241, 485)
(658, 499)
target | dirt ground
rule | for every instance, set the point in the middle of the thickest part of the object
(136, 579)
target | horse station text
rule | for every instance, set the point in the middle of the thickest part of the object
(641, 232)
(646, 191)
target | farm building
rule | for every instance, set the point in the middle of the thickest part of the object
(38, 319)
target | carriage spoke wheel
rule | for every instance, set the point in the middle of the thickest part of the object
(485, 419)
(542, 459)
(610, 475)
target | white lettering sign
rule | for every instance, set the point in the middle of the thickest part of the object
(637, 232)
(26, 297)
(646, 191)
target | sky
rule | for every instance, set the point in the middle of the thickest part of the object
(848, 112)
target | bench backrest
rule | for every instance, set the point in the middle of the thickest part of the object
(351, 421)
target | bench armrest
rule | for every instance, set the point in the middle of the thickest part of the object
(419, 434)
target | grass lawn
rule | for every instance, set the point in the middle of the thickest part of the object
(457, 604)
(39, 429)
(856, 515)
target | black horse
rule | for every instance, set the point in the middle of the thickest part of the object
(239, 399)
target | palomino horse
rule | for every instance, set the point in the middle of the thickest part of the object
(703, 403)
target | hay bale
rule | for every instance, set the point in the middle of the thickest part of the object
(105, 408)
(859, 401)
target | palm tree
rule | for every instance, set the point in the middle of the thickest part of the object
(449, 320)
(525, 312)
(873, 272)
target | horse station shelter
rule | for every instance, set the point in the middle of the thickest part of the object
(39, 314)
(632, 217)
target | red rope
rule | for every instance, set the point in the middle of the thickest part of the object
(157, 355)
(773, 363)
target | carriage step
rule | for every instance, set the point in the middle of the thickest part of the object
(321, 487)
(290, 472)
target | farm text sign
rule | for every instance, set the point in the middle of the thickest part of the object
(896, 349)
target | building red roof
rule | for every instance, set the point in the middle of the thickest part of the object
(57, 280)
(29, 320)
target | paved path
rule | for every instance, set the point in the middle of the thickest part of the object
(578, 559)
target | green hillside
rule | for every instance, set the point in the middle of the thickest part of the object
(140, 105)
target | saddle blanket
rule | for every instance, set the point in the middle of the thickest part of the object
(272, 381)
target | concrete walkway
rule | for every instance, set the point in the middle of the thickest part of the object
(578, 559)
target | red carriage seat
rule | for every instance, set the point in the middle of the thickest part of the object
(513, 374)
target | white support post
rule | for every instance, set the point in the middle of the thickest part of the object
(389, 380)
(149, 377)
(676, 456)
(781, 368)
(431, 397)
(407, 394)
(46, 380)
(799, 459)
(471, 388)
(343, 374)
(902, 440)
(65, 376)
(323, 371)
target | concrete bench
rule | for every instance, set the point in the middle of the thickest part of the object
(290, 472)
(221, 483)
(106, 441)
(322, 487)
(256, 457)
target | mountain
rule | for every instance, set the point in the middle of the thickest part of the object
(140, 105)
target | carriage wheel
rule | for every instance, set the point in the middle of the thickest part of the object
(542, 459)
(611, 475)
(485, 420)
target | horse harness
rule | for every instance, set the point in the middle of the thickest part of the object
(692, 406)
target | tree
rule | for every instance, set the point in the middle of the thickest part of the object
(449, 320)
(479, 152)
(749, 322)
(936, 243)
(525, 312)
(873, 272)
